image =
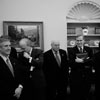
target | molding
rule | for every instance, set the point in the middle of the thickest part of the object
(84, 10)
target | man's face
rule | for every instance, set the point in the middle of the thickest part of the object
(5, 48)
(55, 46)
(24, 48)
(80, 41)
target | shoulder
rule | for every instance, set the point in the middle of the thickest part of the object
(73, 49)
(48, 53)
(35, 50)
(87, 48)
(62, 50)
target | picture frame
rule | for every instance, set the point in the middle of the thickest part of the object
(17, 30)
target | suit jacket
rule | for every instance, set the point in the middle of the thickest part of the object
(38, 78)
(80, 71)
(8, 82)
(55, 74)
(96, 64)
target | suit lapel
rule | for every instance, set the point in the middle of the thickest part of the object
(61, 55)
(52, 55)
(84, 49)
(13, 64)
(33, 53)
(77, 50)
(5, 67)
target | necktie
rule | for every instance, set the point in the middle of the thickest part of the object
(57, 58)
(10, 66)
(81, 50)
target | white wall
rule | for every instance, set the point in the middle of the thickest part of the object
(51, 12)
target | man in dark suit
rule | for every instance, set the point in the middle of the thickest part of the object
(56, 72)
(32, 58)
(96, 64)
(81, 69)
(10, 79)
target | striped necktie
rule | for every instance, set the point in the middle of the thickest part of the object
(57, 58)
(9, 66)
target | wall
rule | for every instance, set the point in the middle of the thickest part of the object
(51, 12)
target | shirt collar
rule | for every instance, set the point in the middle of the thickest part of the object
(80, 47)
(3, 57)
(55, 52)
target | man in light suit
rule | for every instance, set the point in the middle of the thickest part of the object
(80, 59)
(56, 72)
(10, 79)
(32, 58)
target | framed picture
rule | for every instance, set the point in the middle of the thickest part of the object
(17, 30)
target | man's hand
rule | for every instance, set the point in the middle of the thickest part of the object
(18, 92)
(26, 55)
